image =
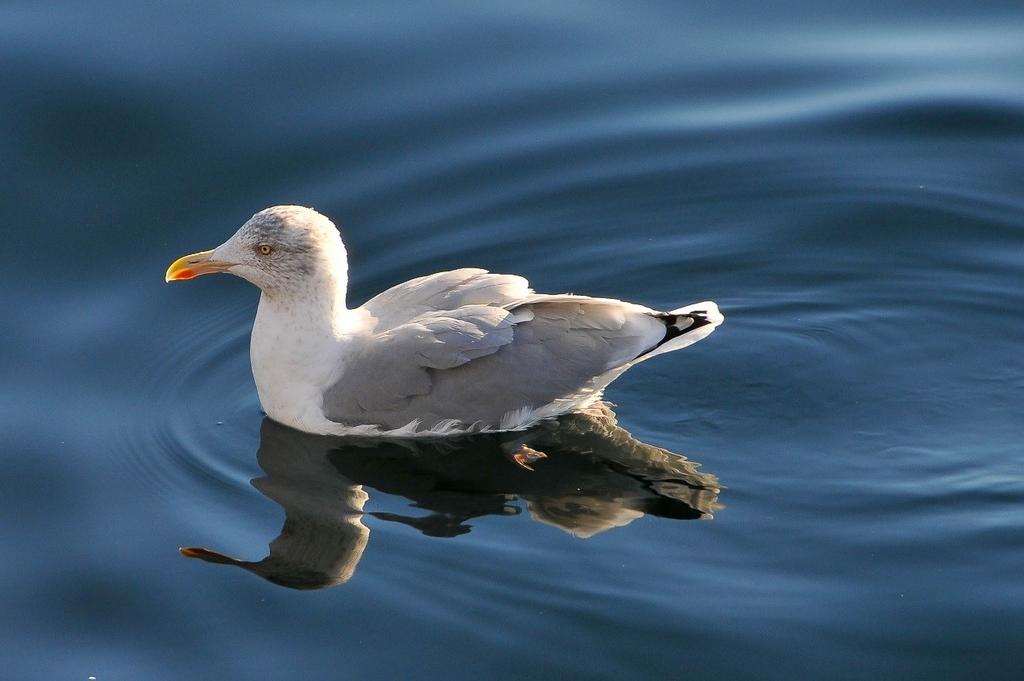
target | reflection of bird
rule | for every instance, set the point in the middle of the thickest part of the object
(452, 352)
(323, 536)
(593, 476)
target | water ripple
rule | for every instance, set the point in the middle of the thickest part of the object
(193, 433)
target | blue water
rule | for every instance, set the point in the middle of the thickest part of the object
(847, 181)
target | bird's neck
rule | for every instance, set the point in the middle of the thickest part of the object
(298, 344)
(314, 304)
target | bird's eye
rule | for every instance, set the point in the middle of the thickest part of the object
(264, 249)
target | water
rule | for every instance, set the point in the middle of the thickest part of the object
(846, 183)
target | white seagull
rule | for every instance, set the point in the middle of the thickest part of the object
(452, 352)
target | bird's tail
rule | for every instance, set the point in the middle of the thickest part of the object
(687, 325)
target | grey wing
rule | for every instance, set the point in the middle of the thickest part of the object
(564, 349)
(395, 366)
(545, 348)
(444, 291)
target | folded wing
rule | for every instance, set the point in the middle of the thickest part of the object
(502, 351)
(444, 291)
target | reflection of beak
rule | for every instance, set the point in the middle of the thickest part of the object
(192, 266)
(208, 555)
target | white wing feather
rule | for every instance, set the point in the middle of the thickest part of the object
(444, 291)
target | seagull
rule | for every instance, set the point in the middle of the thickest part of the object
(448, 353)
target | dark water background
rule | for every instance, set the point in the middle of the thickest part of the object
(847, 183)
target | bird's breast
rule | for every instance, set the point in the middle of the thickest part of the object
(292, 364)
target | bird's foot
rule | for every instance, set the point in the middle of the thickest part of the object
(524, 456)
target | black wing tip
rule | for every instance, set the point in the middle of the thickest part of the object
(680, 324)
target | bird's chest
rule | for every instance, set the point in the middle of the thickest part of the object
(293, 362)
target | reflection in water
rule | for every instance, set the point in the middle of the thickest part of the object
(593, 476)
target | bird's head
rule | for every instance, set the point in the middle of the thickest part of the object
(279, 249)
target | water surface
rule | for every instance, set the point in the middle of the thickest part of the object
(846, 183)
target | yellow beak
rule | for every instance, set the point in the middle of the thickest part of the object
(191, 266)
